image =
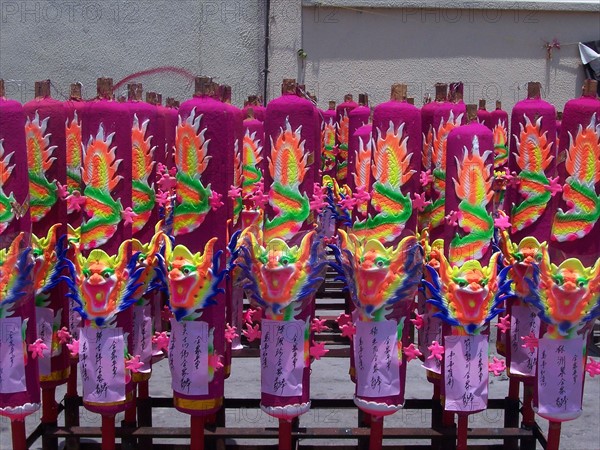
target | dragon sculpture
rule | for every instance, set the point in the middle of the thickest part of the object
(328, 149)
(533, 158)
(579, 192)
(73, 139)
(474, 189)
(7, 212)
(143, 196)
(287, 166)
(191, 160)
(500, 144)
(390, 171)
(99, 174)
(343, 130)
(15, 275)
(42, 192)
(103, 285)
(362, 174)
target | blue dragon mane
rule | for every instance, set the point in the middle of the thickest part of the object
(20, 288)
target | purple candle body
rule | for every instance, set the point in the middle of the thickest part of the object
(484, 118)
(23, 398)
(358, 118)
(575, 232)
(500, 127)
(343, 137)
(46, 147)
(533, 159)
(328, 139)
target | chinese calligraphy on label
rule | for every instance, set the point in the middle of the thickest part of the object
(12, 365)
(142, 335)
(188, 357)
(102, 364)
(523, 321)
(282, 357)
(44, 318)
(376, 359)
(560, 378)
(466, 373)
(431, 331)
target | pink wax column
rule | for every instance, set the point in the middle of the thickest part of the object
(101, 118)
(22, 399)
(254, 136)
(395, 113)
(45, 128)
(217, 125)
(483, 115)
(478, 162)
(328, 120)
(500, 127)
(532, 221)
(259, 110)
(298, 114)
(343, 136)
(574, 234)
(358, 118)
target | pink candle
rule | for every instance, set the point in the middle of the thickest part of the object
(343, 137)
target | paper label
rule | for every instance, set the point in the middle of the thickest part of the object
(44, 318)
(466, 373)
(102, 364)
(429, 332)
(560, 377)
(142, 336)
(12, 365)
(188, 357)
(282, 357)
(523, 321)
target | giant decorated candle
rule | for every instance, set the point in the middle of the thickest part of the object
(343, 122)
(20, 387)
(328, 139)
(46, 154)
(357, 118)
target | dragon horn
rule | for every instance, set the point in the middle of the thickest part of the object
(305, 246)
(506, 246)
(209, 251)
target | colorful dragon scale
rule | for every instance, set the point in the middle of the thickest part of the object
(193, 279)
(579, 191)
(191, 160)
(533, 158)
(99, 174)
(6, 201)
(15, 275)
(568, 294)
(468, 296)
(343, 130)
(391, 170)
(474, 189)
(73, 138)
(280, 278)
(362, 174)
(147, 260)
(328, 149)
(143, 196)
(49, 254)
(500, 144)
(42, 192)
(287, 166)
(435, 211)
(103, 285)
(251, 158)
(380, 279)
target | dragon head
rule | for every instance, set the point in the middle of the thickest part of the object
(45, 260)
(382, 275)
(193, 278)
(147, 259)
(278, 274)
(524, 258)
(15, 269)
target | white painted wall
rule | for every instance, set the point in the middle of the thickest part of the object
(494, 46)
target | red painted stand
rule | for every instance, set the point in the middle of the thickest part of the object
(108, 433)
(285, 434)
(49, 416)
(19, 440)
(376, 438)
(197, 433)
(553, 436)
(463, 429)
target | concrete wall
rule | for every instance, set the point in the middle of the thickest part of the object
(495, 47)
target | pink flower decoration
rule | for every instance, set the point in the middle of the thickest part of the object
(592, 367)
(230, 333)
(343, 319)
(37, 349)
(502, 221)
(361, 196)
(418, 321)
(167, 182)
(128, 215)
(436, 350)
(74, 347)
(419, 202)
(425, 177)
(317, 350)
(76, 201)
(252, 332)
(63, 335)
(161, 340)
(347, 202)
(554, 187)
(234, 192)
(531, 342)
(411, 352)
(134, 364)
(62, 191)
(504, 323)
(317, 203)
(166, 314)
(214, 361)
(453, 218)
(162, 198)
(348, 330)
(318, 325)
(215, 200)
(259, 198)
(497, 367)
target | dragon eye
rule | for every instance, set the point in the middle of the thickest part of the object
(186, 271)
(462, 283)
(37, 253)
(538, 257)
(86, 273)
(106, 274)
(558, 280)
(581, 283)
(519, 257)
(284, 261)
(379, 263)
